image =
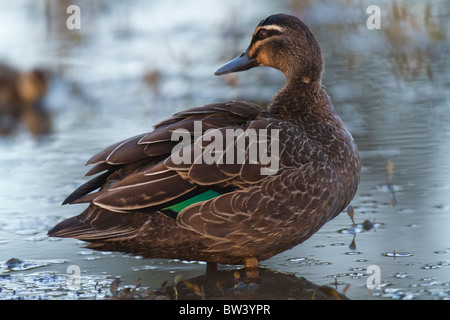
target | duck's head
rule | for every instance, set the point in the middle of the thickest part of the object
(285, 43)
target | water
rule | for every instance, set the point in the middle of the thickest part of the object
(390, 86)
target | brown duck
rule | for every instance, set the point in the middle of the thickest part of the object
(21, 96)
(144, 201)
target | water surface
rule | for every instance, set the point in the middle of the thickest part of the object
(132, 65)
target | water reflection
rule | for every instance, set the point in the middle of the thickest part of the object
(390, 87)
(238, 284)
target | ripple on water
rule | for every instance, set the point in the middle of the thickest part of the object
(439, 187)
(305, 261)
(431, 266)
(398, 294)
(367, 225)
(144, 267)
(406, 210)
(353, 253)
(389, 188)
(401, 275)
(396, 254)
(47, 285)
(15, 264)
(337, 244)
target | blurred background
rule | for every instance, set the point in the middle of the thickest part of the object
(66, 94)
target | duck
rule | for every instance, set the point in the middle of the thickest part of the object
(21, 101)
(145, 198)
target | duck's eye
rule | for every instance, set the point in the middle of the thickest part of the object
(263, 33)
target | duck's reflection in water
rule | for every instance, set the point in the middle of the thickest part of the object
(237, 284)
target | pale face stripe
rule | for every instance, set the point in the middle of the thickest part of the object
(269, 27)
(258, 43)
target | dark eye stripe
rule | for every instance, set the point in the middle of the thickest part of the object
(268, 33)
(257, 40)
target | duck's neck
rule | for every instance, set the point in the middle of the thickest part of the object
(302, 100)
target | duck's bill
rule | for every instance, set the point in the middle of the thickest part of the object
(241, 63)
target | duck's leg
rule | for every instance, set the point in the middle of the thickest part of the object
(251, 263)
(251, 267)
(211, 267)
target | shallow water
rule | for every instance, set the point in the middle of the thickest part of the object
(391, 88)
